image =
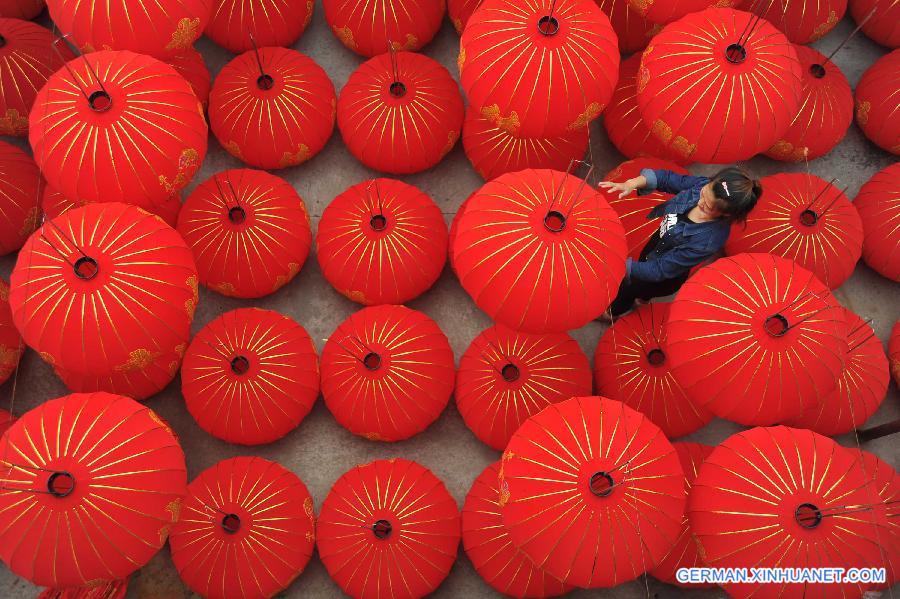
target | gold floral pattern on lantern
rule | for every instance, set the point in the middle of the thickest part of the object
(186, 32)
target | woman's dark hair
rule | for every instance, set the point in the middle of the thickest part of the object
(738, 192)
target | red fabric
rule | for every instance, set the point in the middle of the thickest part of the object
(825, 114)
(633, 30)
(884, 24)
(494, 152)
(876, 102)
(523, 274)
(11, 346)
(415, 557)
(156, 371)
(623, 123)
(894, 352)
(634, 209)
(27, 60)
(553, 516)
(130, 312)
(806, 219)
(459, 12)
(271, 22)
(685, 553)
(728, 362)
(21, 9)
(291, 122)
(878, 204)
(505, 377)
(623, 371)
(368, 28)
(155, 128)
(267, 400)
(273, 537)
(398, 396)
(406, 134)
(21, 187)
(564, 90)
(801, 21)
(666, 11)
(115, 589)
(192, 67)
(373, 261)
(690, 95)
(248, 230)
(6, 421)
(885, 493)
(743, 503)
(129, 480)
(54, 204)
(862, 385)
(160, 28)
(454, 229)
(488, 546)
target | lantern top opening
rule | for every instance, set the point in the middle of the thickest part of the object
(817, 71)
(548, 25)
(776, 325)
(378, 222)
(240, 365)
(237, 215)
(265, 82)
(656, 357)
(382, 529)
(397, 89)
(60, 484)
(2, 41)
(601, 484)
(808, 515)
(86, 268)
(231, 523)
(372, 361)
(555, 221)
(100, 101)
(510, 373)
(808, 217)
(735, 53)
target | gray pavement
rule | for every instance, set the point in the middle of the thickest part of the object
(319, 451)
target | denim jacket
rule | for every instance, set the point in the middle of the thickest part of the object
(685, 244)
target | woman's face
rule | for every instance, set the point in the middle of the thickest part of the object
(709, 205)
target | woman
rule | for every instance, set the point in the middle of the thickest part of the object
(695, 225)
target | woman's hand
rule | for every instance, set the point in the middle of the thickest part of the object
(623, 188)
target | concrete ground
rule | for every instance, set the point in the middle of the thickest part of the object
(319, 451)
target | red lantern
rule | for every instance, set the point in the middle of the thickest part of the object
(633, 30)
(806, 219)
(6, 421)
(803, 22)
(190, 65)
(382, 242)
(21, 9)
(270, 23)
(783, 497)
(539, 69)
(387, 373)
(685, 553)
(369, 28)
(243, 532)
(878, 204)
(826, 111)
(160, 28)
(400, 113)
(505, 377)
(98, 494)
(539, 251)
(884, 25)
(634, 209)
(631, 365)
(156, 371)
(388, 529)
(622, 120)
(894, 352)
(21, 187)
(459, 12)
(248, 230)
(666, 11)
(150, 121)
(54, 204)
(250, 376)
(756, 339)
(885, 493)
(876, 102)
(862, 385)
(575, 489)
(494, 152)
(454, 229)
(27, 59)
(488, 546)
(11, 346)
(714, 93)
(130, 310)
(274, 113)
